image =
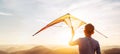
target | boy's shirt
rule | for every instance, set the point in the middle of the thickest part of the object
(88, 46)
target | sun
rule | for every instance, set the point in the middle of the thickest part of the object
(64, 36)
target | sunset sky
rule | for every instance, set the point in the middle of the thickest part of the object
(20, 19)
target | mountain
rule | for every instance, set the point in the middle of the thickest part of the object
(35, 50)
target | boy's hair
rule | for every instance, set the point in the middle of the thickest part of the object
(89, 29)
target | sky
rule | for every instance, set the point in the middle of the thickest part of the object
(20, 19)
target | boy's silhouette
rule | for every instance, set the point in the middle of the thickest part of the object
(87, 45)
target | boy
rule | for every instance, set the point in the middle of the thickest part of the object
(87, 45)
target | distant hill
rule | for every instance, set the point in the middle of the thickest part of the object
(54, 50)
(3, 52)
(112, 51)
(35, 50)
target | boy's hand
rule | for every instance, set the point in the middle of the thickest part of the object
(71, 43)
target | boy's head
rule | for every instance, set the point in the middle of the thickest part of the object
(89, 29)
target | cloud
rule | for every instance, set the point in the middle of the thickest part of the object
(5, 14)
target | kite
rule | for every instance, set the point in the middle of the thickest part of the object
(70, 20)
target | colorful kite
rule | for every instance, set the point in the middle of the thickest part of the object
(70, 20)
